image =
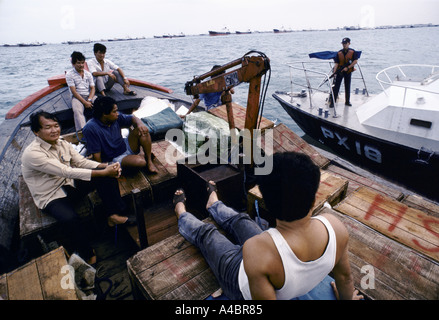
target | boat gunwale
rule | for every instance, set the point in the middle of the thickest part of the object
(58, 82)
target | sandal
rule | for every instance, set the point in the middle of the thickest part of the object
(211, 188)
(179, 198)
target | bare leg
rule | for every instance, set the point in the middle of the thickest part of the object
(136, 140)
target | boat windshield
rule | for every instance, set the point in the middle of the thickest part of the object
(410, 79)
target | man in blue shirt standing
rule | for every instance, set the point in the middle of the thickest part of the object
(105, 141)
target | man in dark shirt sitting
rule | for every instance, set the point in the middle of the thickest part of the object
(105, 141)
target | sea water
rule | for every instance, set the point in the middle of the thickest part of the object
(173, 62)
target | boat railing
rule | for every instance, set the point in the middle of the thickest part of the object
(403, 76)
(315, 78)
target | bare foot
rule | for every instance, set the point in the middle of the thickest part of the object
(211, 191)
(179, 202)
(151, 167)
(116, 219)
(92, 260)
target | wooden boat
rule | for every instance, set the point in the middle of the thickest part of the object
(393, 233)
(393, 134)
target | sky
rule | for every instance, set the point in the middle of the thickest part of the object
(54, 21)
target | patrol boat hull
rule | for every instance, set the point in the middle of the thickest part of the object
(394, 134)
(403, 165)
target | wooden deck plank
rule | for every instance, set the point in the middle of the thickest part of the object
(422, 204)
(394, 219)
(356, 181)
(398, 272)
(284, 139)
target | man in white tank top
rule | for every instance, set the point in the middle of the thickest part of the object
(285, 262)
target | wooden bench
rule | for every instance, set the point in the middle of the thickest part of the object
(171, 269)
(39, 279)
(34, 222)
(384, 269)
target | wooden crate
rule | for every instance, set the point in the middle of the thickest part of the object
(384, 269)
(159, 222)
(163, 183)
(194, 178)
(40, 279)
(172, 269)
(394, 219)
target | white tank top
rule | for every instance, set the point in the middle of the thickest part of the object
(300, 277)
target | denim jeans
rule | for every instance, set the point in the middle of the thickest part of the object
(222, 255)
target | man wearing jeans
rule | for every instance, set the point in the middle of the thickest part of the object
(285, 262)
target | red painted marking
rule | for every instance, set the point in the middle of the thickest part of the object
(427, 222)
(375, 206)
(327, 183)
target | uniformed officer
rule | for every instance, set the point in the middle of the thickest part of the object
(345, 61)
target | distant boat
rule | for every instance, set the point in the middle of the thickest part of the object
(78, 42)
(33, 44)
(244, 32)
(282, 30)
(180, 35)
(224, 32)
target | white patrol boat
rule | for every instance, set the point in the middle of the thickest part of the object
(394, 134)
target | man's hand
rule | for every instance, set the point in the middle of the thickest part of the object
(88, 104)
(112, 75)
(113, 170)
(355, 294)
